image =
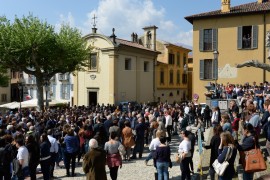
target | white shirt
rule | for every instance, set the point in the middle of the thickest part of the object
(185, 147)
(54, 144)
(23, 154)
(168, 121)
(154, 144)
(214, 117)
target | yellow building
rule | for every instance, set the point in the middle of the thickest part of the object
(238, 34)
(120, 70)
(171, 79)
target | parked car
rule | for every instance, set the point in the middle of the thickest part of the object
(124, 105)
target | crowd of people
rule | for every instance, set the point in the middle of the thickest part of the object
(107, 136)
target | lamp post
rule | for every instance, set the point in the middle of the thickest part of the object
(20, 83)
(215, 69)
(47, 89)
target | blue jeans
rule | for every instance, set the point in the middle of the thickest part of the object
(247, 176)
(162, 169)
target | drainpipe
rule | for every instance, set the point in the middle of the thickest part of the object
(264, 47)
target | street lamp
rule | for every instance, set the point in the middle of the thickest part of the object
(215, 69)
(47, 89)
(21, 84)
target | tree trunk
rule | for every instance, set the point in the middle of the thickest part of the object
(40, 105)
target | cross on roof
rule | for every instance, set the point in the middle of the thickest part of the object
(94, 21)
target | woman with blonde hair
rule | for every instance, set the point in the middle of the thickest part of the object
(227, 144)
(153, 145)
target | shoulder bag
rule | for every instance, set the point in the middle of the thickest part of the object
(221, 167)
(178, 158)
(254, 161)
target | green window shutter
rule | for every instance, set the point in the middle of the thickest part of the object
(61, 91)
(201, 40)
(215, 39)
(239, 37)
(215, 69)
(255, 37)
(201, 69)
(68, 92)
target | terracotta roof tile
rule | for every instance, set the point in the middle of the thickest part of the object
(132, 44)
(236, 10)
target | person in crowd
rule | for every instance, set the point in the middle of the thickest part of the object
(72, 146)
(45, 156)
(53, 150)
(139, 138)
(162, 159)
(214, 144)
(114, 160)
(22, 156)
(192, 139)
(254, 119)
(227, 144)
(5, 159)
(225, 123)
(168, 125)
(115, 128)
(233, 108)
(266, 113)
(127, 140)
(34, 155)
(184, 151)
(94, 162)
(235, 125)
(267, 135)
(249, 141)
(207, 116)
(153, 145)
(214, 118)
(200, 126)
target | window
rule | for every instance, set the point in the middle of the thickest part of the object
(178, 59)
(127, 64)
(184, 59)
(65, 91)
(4, 97)
(161, 77)
(146, 66)
(171, 77)
(14, 74)
(208, 39)
(171, 58)
(178, 77)
(247, 37)
(93, 61)
(208, 69)
(184, 78)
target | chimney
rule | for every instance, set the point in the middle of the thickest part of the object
(136, 37)
(226, 5)
(132, 37)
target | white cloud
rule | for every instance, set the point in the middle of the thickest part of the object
(128, 16)
(69, 19)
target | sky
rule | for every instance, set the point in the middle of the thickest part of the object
(126, 16)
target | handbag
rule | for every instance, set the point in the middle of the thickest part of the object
(178, 158)
(254, 161)
(221, 167)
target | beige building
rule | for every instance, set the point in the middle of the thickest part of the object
(120, 70)
(171, 79)
(238, 34)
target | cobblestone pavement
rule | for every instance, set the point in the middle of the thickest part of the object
(136, 169)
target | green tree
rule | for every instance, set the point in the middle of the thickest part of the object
(4, 78)
(33, 46)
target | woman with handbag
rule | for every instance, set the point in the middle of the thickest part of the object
(227, 144)
(248, 143)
